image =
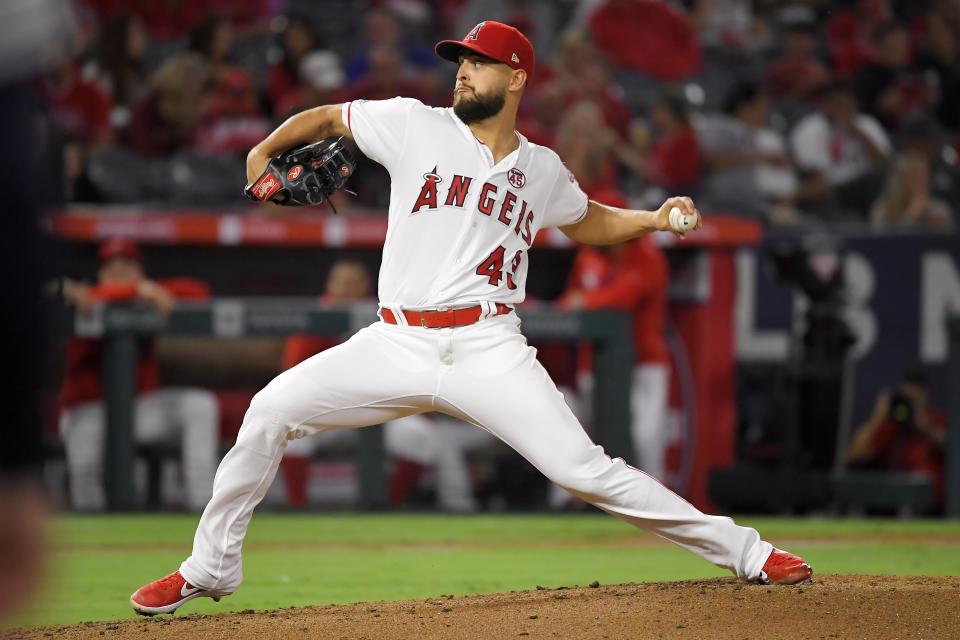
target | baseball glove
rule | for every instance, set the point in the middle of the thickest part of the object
(304, 176)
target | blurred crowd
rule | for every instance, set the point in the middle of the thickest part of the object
(813, 112)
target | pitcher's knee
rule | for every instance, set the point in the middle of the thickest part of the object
(578, 479)
(267, 423)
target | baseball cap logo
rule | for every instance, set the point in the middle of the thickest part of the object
(475, 32)
(515, 59)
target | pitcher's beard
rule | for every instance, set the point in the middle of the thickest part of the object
(480, 106)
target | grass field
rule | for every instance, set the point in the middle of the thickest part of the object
(293, 560)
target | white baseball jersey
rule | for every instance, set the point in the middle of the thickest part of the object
(459, 225)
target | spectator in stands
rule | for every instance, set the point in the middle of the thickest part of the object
(922, 134)
(417, 442)
(119, 67)
(540, 120)
(904, 433)
(597, 85)
(748, 166)
(161, 415)
(173, 19)
(232, 123)
(797, 75)
(212, 39)
(566, 68)
(649, 36)
(906, 201)
(887, 87)
(382, 28)
(841, 154)
(848, 35)
(583, 147)
(633, 277)
(730, 26)
(166, 118)
(671, 161)
(296, 38)
(78, 120)
(938, 56)
(78, 108)
(322, 82)
(385, 77)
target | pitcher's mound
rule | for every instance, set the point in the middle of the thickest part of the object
(832, 606)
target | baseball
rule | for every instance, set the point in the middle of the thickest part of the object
(682, 222)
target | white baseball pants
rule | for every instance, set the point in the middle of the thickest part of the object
(484, 373)
(438, 442)
(188, 417)
(649, 395)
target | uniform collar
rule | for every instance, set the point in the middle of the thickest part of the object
(512, 159)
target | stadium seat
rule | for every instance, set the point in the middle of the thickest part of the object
(123, 176)
(205, 180)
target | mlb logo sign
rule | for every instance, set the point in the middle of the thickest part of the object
(516, 178)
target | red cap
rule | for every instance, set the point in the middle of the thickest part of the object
(119, 248)
(495, 40)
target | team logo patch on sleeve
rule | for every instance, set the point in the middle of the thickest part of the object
(516, 178)
(294, 173)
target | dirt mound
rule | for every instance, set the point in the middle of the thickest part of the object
(832, 606)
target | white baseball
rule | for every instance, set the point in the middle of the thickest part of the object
(682, 222)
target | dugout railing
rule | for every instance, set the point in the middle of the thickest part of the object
(121, 326)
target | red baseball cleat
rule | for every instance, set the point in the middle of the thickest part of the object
(784, 568)
(167, 594)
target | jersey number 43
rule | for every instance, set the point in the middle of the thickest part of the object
(492, 267)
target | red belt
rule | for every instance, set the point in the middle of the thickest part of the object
(438, 319)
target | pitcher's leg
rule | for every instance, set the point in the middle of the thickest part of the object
(350, 385)
(523, 407)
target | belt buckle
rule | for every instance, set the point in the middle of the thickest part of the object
(423, 319)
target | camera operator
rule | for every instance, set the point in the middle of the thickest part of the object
(905, 433)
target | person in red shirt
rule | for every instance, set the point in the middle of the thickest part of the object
(417, 442)
(78, 107)
(633, 277)
(904, 433)
(671, 161)
(79, 116)
(797, 74)
(231, 121)
(187, 416)
(165, 119)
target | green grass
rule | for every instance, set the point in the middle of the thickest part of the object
(293, 560)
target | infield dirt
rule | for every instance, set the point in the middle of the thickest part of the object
(831, 606)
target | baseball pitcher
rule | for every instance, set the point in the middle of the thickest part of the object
(468, 195)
